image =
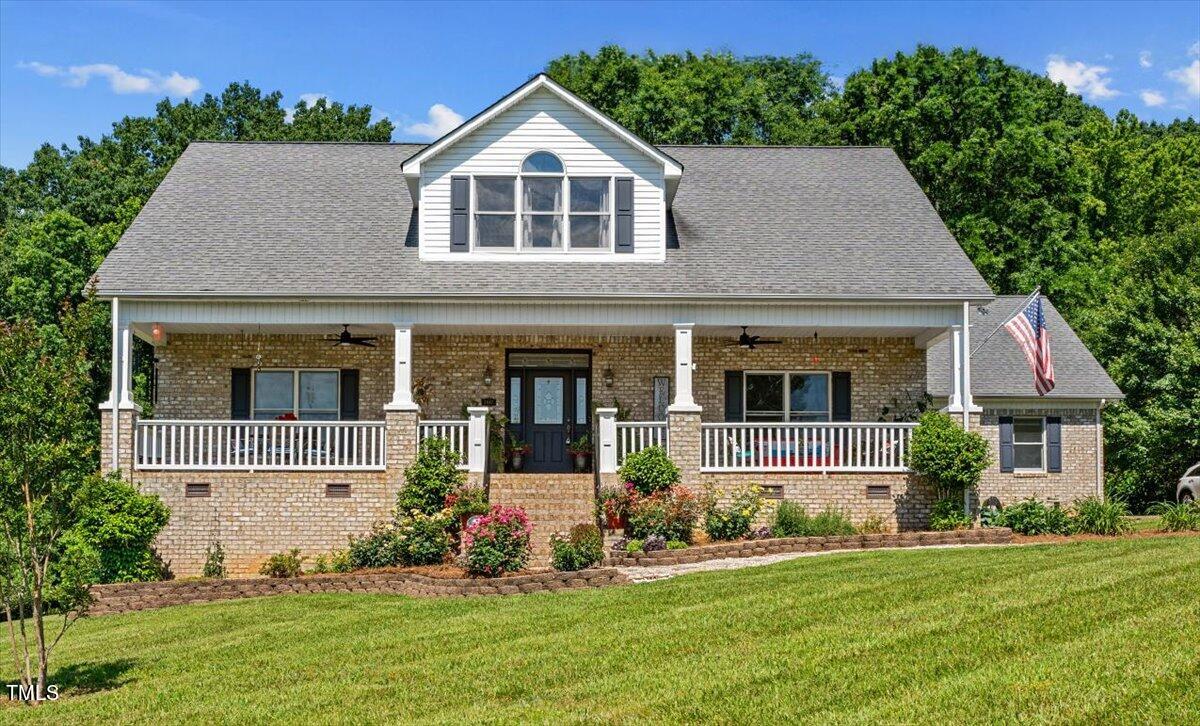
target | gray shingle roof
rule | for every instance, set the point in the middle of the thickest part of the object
(336, 219)
(998, 366)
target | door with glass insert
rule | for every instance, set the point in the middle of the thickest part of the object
(549, 411)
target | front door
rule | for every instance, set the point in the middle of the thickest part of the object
(549, 411)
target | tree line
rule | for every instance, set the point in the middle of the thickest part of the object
(1039, 187)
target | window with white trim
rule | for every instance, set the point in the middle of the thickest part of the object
(1029, 443)
(543, 209)
(304, 394)
(787, 396)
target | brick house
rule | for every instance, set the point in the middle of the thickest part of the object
(317, 308)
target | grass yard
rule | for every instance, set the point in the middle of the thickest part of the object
(1084, 632)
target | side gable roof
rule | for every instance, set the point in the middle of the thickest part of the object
(998, 367)
(411, 167)
(330, 220)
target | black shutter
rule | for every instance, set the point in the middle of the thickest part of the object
(733, 396)
(1006, 443)
(349, 384)
(841, 396)
(624, 215)
(239, 394)
(1053, 444)
(460, 213)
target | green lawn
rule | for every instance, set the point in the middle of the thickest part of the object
(1082, 632)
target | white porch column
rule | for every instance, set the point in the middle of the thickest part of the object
(968, 403)
(114, 390)
(477, 434)
(684, 402)
(402, 399)
(126, 400)
(607, 430)
(956, 367)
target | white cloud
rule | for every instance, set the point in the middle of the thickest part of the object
(119, 81)
(1144, 59)
(1090, 81)
(442, 120)
(1152, 98)
(1195, 49)
(310, 99)
(1188, 77)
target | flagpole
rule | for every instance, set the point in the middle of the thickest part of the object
(1036, 291)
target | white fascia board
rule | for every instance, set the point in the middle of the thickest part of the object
(411, 168)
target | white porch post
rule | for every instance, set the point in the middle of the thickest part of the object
(126, 366)
(956, 358)
(402, 399)
(684, 402)
(607, 426)
(477, 434)
(968, 404)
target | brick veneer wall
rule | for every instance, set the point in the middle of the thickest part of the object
(907, 505)
(1079, 453)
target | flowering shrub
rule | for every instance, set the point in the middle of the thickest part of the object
(581, 549)
(731, 521)
(498, 542)
(465, 502)
(422, 539)
(670, 513)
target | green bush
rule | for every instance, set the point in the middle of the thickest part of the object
(634, 545)
(668, 513)
(791, 520)
(948, 457)
(582, 548)
(1093, 515)
(1178, 517)
(649, 470)
(948, 515)
(214, 561)
(731, 521)
(377, 549)
(497, 542)
(336, 561)
(120, 524)
(430, 478)
(1034, 517)
(284, 564)
(872, 525)
(422, 539)
(676, 545)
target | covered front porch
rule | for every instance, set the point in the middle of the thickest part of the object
(271, 387)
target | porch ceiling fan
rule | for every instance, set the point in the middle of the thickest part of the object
(750, 342)
(345, 338)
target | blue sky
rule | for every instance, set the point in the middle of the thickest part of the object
(74, 68)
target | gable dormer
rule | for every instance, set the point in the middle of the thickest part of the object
(541, 175)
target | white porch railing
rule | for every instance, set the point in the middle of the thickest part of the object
(633, 436)
(456, 432)
(864, 447)
(260, 445)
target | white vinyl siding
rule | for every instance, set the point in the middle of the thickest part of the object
(543, 122)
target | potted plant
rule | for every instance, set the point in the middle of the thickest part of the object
(466, 502)
(581, 450)
(613, 503)
(517, 451)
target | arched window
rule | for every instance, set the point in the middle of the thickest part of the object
(542, 162)
(542, 177)
(541, 208)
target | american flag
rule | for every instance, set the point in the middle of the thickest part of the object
(1028, 327)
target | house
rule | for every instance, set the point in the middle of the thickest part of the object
(316, 309)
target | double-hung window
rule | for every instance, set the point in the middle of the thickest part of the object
(1029, 444)
(308, 395)
(787, 396)
(543, 209)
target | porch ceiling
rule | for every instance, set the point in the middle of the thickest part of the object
(144, 330)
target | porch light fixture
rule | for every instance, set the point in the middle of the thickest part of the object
(156, 333)
(487, 375)
(608, 377)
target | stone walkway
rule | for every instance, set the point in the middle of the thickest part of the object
(661, 572)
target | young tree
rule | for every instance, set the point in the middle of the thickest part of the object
(47, 441)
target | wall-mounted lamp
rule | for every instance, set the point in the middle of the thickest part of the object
(157, 334)
(608, 377)
(487, 376)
